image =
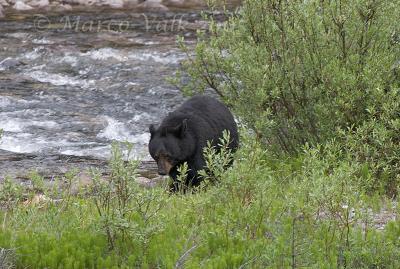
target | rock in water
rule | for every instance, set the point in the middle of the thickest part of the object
(184, 3)
(131, 3)
(39, 3)
(152, 5)
(60, 7)
(115, 3)
(8, 63)
(19, 5)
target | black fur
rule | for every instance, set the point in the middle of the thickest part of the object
(184, 133)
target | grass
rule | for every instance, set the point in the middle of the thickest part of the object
(264, 213)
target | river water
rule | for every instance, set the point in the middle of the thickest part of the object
(72, 84)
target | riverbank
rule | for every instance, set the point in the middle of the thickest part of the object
(20, 165)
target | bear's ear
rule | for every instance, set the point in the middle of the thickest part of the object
(152, 129)
(181, 129)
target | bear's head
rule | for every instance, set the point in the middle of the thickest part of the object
(170, 146)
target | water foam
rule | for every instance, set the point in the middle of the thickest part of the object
(69, 59)
(14, 144)
(158, 57)
(33, 55)
(58, 80)
(119, 55)
(116, 130)
(106, 54)
(18, 125)
(24, 143)
(42, 41)
(11, 126)
(6, 101)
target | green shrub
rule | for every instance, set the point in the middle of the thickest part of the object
(375, 145)
(294, 71)
(217, 161)
(125, 210)
(10, 193)
(308, 72)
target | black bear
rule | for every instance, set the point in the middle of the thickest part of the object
(183, 134)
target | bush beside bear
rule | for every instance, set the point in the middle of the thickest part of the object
(183, 134)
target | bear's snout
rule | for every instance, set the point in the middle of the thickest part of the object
(164, 166)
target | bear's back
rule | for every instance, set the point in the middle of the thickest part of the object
(209, 117)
